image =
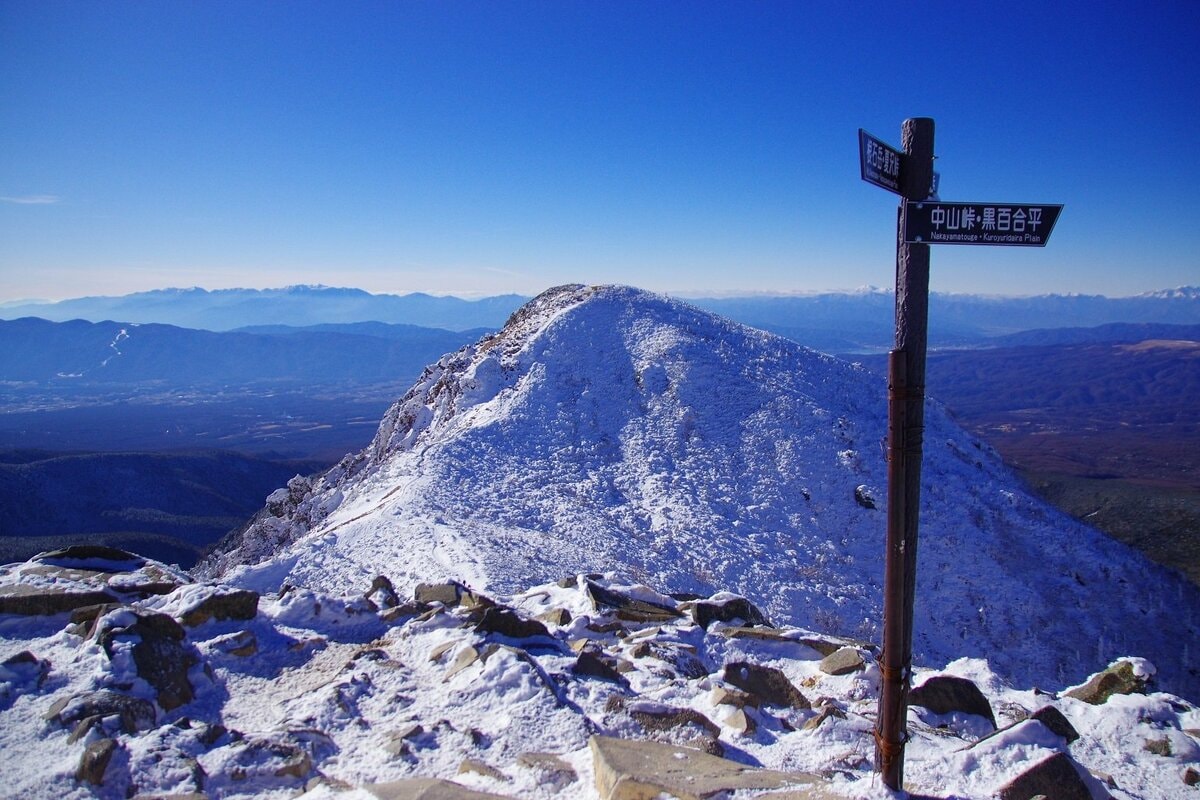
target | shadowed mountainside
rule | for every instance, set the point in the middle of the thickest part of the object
(78, 352)
(168, 504)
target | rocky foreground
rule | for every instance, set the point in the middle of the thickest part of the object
(122, 677)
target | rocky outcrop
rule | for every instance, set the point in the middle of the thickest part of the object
(160, 653)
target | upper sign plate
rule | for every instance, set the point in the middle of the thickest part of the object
(879, 162)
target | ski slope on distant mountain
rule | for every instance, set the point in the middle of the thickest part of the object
(608, 429)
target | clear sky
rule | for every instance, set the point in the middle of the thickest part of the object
(485, 148)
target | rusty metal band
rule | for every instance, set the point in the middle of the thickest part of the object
(890, 749)
(892, 674)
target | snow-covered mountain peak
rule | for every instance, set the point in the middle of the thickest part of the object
(606, 429)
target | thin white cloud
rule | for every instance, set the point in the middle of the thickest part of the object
(31, 199)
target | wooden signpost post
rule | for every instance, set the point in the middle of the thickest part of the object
(922, 220)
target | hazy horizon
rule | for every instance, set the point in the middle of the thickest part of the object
(682, 294)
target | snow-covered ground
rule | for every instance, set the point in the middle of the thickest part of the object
(604, 430)
(333, 695)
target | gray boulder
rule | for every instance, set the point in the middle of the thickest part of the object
(1056, 777)
(706, 612)
(93, 764)
(1118, 678)
(842, 661)
(766, 683)
(946, 694)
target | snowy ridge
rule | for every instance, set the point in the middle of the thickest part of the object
(608, 429)
(1178, 293)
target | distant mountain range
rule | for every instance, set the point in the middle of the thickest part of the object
(79, 352)
(227, 309)
(864, 321)
(832, 322)
(1114, 332)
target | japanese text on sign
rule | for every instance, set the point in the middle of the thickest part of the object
(980, 223)
(879, 163)
(882, 160)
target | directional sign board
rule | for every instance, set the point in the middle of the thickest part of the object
(880, 163)
(1010, 224)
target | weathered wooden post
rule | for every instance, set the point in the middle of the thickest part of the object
(922, 221)
(906, 422)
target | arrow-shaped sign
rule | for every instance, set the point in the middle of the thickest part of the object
(1008, 224)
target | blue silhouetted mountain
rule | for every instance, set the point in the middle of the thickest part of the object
(226, 309)
(124, 353)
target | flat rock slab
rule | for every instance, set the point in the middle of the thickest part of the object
(842, 661)
(428, 789)
(823, 646)
(38, 601)
(64, 580)
(637, 770)
(628, 608)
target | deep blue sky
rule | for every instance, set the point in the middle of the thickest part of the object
(493, 147)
